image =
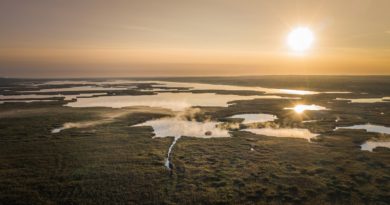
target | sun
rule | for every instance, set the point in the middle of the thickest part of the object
(299, 108)
(300, 39)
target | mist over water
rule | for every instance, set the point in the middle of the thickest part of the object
(184, 125)
(70, 125)
(284, 132)
(171, 127)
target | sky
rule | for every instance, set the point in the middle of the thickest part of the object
(118, 38)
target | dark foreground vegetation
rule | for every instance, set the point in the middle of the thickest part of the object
(115, 163)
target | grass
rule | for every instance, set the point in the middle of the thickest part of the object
(115, 163)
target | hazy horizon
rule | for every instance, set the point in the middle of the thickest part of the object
(191, 38)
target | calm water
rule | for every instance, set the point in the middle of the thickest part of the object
(201, 86)
(369, 128)
(301, 108)
(284, 132)
(173, 101)
(81, 88)
(366, 100)
(19, 98)
(371, 145)
(176, 127)
(173, 127)
(255, 118)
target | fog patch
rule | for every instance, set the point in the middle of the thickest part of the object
(184, 124)
(171, 127)
(70, 125)
(106, 118)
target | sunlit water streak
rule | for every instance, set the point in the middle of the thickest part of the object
(205, 86)
(173, 101)
(79, 88)
(302, 108)
(88, 82)
(201, 86)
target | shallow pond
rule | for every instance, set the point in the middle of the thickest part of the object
(255, 118)
(284, 132)
(176, 127)
(369, 128)
(365, 100)
(371, 145)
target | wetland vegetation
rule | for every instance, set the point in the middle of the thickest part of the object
(106, 154)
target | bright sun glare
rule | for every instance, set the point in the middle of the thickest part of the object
(299, 108)
(300, 39)
(302, 108)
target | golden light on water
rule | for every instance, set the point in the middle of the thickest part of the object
(300, 39)
(300, 108)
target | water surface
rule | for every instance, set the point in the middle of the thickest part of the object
(176, 127)
(365, 100)
(173, 101)
(284, 132)
(80, 88)
(194, 86)
(371, 145)
(301, 108)
(369, 128)
(255, 118)
(34, 96)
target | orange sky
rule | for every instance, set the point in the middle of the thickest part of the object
(58, 38)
